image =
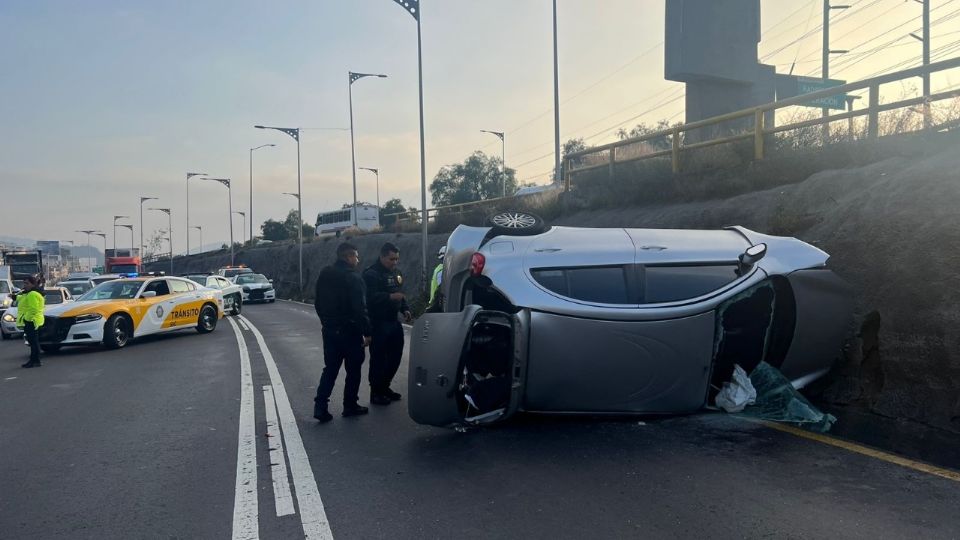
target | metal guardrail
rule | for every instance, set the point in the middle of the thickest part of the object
(757, 133)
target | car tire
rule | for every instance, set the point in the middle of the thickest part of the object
(237, 305)
(271, 301)
(117, 332)
(50, 348)
(207, 321)
(516, 223)
(5, 335)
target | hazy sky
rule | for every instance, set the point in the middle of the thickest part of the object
(104, 101)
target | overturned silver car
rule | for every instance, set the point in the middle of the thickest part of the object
(579, 320)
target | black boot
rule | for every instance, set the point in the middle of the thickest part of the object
(321, 413)
(354, 410)
(31, 364)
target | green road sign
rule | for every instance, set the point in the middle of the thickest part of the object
(97, 269)
(789, 86)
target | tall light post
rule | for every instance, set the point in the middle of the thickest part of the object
(131, 237)
(69, 266)
(252, 150)
(353, 159)
(226, 182)
(88, 233)
(300, 234)
(199, 228)
(189, 176)
(295, 133)
(503, 157)
(377, 173)
(244, 215)
(143, 200)
(169, 231)
(115, 218)
(104, 236)
(556, 101)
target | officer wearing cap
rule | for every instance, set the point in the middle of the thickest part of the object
(385, 302)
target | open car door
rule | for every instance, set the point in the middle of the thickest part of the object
(467, 367)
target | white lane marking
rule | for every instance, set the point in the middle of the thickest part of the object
(312, 515)
(278, 463)
(246, 519)
(244, 325)
(10, 378)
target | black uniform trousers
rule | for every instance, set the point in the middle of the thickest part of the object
(386, 351)
(341, 347)
(33, 338)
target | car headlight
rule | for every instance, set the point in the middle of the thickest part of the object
(6, 302)
(90, 317)
(9, 318)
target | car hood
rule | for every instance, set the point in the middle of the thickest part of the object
(74, 309)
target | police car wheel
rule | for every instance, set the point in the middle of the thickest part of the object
(516, 223)
(207, 320)
(117, 331)
(237, 306)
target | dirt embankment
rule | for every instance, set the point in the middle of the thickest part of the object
(892, 229)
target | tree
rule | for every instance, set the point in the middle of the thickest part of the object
(477, 178)
(661, 142)
(156, 244)
(393, 206)
(274, 230)
(570, 147)
(290, 226)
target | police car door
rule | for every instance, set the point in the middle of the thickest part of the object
(157, 307)
(467, 367)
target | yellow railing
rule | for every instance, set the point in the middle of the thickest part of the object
(606, 155)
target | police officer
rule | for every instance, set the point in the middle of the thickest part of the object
(435, 305)
(385, 302)
(341, 305)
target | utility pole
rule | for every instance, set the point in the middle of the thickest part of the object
(556, 103)
(825, 64)
(926, 62)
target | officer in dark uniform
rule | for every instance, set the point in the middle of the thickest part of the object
(385, 302)
(341, 305)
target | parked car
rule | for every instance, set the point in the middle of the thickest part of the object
(77, 286)
(231, 272)
(620, 320)
(232, 296)
(118, 311)
(52, 296)
(256, 288)
(6, 298)
(74, 276)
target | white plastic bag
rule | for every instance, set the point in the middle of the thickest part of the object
(738, 393)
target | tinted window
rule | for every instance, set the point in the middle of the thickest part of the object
(4, 287)
(600, 284)
(179, 286)
(159, 286)
(52, 297)
(77, 288)
(672, 283)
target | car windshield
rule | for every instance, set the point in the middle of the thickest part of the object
(199, 278)
(112, 290)
(78, 288)
(251, 278)
(52, 297)
(102, 279)
(125, 268)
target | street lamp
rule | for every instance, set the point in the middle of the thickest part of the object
(199, 228)
(353, 160)
(169, 231)
(131, 237)
(377, 173)
(503, 157)
(244, 214)
(413, 8)
(189, 176)
(143, 200)
(251, 185)
(104, 236)
(226, 182)
(295, 133)
(115, 218)
(88, 233)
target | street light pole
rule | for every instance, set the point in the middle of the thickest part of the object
(142, 200)
(295, 133)
(199, 228)
(88, 233)
(104, 236)
(131, 237)
(226, 182)
(377, 173)
(556, 101)
(251, 185)
(503, 157)
(115, 218)
(189, 176)
(244, 215)
(353, 159)
(169, 232)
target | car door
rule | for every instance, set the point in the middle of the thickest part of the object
(185, 303)
(467, 367)
(151, 312)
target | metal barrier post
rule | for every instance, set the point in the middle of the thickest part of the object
(675, 150)
(873, 125)
(758, 134)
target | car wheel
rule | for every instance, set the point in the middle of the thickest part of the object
(5, 335)
(516, 223)
(207, 321)
(50, 348)
(237, 305)
(272, 301)
(117, 332)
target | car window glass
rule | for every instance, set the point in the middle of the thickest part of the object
(52, 297)
(672, 283)
(4, 287)
(177, 286)
(600, 284)
(159, 286)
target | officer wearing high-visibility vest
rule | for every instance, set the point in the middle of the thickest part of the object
(30, 304)
(435, 302)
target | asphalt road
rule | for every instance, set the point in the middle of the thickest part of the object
(168, 439)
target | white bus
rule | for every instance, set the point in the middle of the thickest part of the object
(368, 219)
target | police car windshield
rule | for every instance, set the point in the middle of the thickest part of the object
(251, 278)
(112, 290)
(52, 297)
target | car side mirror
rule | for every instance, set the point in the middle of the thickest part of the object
(147, 294)
(270, 280)
(752, 255)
